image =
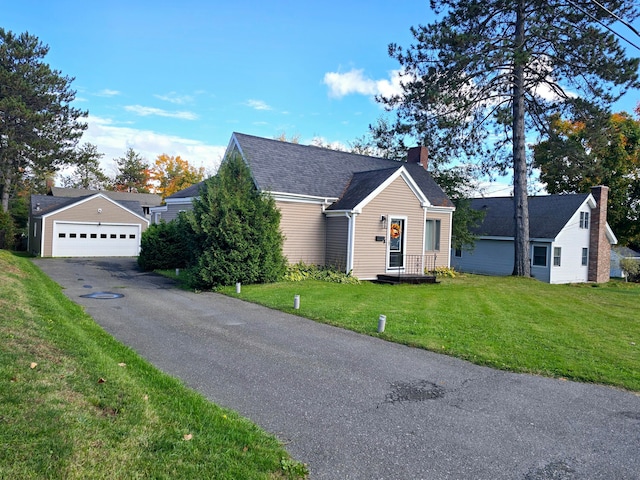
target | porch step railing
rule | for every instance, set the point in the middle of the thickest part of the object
(417, 265)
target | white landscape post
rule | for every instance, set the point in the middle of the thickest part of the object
(296, 302)
(382, 321)
(238, 287)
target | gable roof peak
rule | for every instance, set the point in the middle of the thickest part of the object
(308, 170)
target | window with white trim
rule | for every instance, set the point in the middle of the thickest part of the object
(584, 220)
(585, 257)
(432, 236)
(557, 254)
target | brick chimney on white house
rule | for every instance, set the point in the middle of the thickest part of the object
(599, 246)
(419, 155)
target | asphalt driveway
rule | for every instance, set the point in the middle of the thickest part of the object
(356, 407)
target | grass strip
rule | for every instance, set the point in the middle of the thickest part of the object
(76, 404)
(582, 332)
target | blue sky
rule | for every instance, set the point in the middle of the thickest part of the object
(180, 77)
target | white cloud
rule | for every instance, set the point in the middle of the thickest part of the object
(113, 141)
(322, 142)
(147, 111)
(108, 93)
(354, 81)
(258, 105)
(173, 97)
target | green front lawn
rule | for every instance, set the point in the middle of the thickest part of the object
(589, 333)
(76, 404)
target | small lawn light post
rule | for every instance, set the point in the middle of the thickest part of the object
(296, 302)
(382, 321)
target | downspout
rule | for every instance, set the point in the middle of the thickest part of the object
(42, 236)
(350, 240)
(424, 236)
(450, 239)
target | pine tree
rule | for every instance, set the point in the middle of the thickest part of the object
(38, 126)
(489, 71)
(88, 173)
(133, 173)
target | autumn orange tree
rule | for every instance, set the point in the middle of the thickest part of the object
(172, 174)
(596, 148)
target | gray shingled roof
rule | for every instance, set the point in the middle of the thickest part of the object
(189, 192)
(49, 203)
(285, 167)
(624, 252)
(145, 199)
(41, 204)
(361, 185)
(548, 214)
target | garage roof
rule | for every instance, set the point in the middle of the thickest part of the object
(44, 204)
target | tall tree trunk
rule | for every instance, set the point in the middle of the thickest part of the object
(521, 265)
(5, 188)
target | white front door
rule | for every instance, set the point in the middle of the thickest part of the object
(396, 243)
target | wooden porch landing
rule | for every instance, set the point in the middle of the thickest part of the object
(406, 278)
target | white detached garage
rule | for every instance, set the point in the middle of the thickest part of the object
(91, 226)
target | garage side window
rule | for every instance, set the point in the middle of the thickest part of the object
(62, 235)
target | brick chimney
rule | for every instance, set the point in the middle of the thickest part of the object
(419, 155)
(599, 246)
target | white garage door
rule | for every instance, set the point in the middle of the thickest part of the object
(91, 240)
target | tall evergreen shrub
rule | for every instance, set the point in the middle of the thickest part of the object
(237, 230)
(167, 245)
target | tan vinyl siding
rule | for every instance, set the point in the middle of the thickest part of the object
(397, 199)
(303, 226)
(337, 238)
(442, 256)
(87, 212)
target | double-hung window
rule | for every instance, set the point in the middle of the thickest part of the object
(432, 237)
(557, 253)
(585, 257)
(584, 220)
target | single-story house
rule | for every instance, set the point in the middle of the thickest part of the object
(366, 215)
(569, 236)
(619, 253)
(88, 223)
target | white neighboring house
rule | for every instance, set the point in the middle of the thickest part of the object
(619, 253)
(569, 235)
